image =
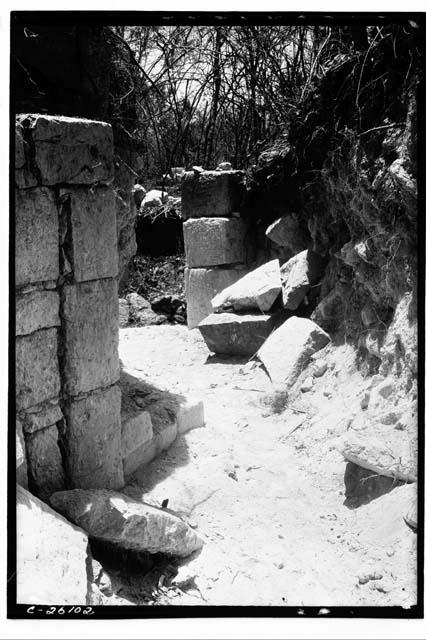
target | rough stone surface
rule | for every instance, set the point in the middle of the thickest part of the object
(41, 416)
(287, 233)
(154, 198)
(215, 241)
(23, 176)
(51, 555)
(116, 518)
(44, 461)
(164, 435)
(93, 440)
(256, 290)
(136, 430)
(212, 193)
(71, 150)
(36, 310)
(37, 371)
(140, 456)
(234, 334)
(190, 415)
(90, 317)
(299, 274)
(21, 457)
(123, 312)
(201, 285)
(141, 313)
(399, 348)
(287, 351)
(37, 239)
(91, 216)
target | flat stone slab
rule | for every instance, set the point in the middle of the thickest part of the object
(287, 351)
(298, 275)
(36, 310)
(37, 370)
(212, 193)
(236, 334)
(201, 285)
(125, 522)
(215, 241)
(258, 290)
(45, 461)
(37, 236)
(51, 555)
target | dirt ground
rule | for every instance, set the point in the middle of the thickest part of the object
(266, 490)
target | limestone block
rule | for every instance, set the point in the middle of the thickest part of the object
(201, 285)
(94, 231)
(36, 234)
(234, 334)
(287, 233)
(37, 371)
(93, 440)
(90, 317)
(212, 193)
(51, 555)
(140, 456)
(287, 351)
(215, 241)
(136, 430)
(123, 312)
(45, 461)
(21, 457)
(258, 290)
(164, 435)
(190, 415)
(23, 176)
(41, 416)
(299, 274)
(128, 523)
(36, 310)
(71, 150)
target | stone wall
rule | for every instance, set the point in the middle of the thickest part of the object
(218, 239)
(66, 269)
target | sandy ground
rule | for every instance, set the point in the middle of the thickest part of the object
(266, 490)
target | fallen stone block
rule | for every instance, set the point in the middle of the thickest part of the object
(154, 199)
(125, 522)
(136, 430)
(36, 236)
(212, 193)
(71, 150)
(287, 351)
(21, 457)
(37, 371)
(90, 318)
(93, 440)
(215, 241)
(45, 470)
(258, 289)
(41, 416)
(140, 456)
(286, 232)
(236, 334)
(90, 215)
(201, 285)
(190, 415)
(36, 310)
(51, 556)
(298, 275)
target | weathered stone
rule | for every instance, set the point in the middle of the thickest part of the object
(212, 193)
(36, 310)
(51, 555)
(164, 435)
(190, 415)
(36, 233)
(224, 166)
(299, 274)
(137, 303)
(93, 440)
(90, 317)
(201, 285)
(45, 461)
(411, 515)
(307, 384)
(23, 176)
(256, 290)
(320, 367)
(71, 150)
(92, 222)
(136, 430)
(37, 372)
(399, 349)
(116, 518)
(234, 334)
(21, 457)
(287, 233)
(287, 351)
(154, 198)
(41, 416)
(140, 456)
(123, 312)
(215, 241)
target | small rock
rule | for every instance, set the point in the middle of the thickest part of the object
(320, 367)
(279, 565)
(384, 586)
(390, 552)
(365, 400)
(327, 392)
(307, 384)
(385, 389)
(363, 578)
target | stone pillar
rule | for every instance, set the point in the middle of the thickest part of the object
(218, 240)
(67, 367)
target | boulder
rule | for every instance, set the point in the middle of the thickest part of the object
(52, 556)
(211, 193)
(286, 232)
(215, 241)
(299, 274)
(236, 334)
(287, 351)
(141, 312)
(256, 290)
(115, 518)
(154, 198)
